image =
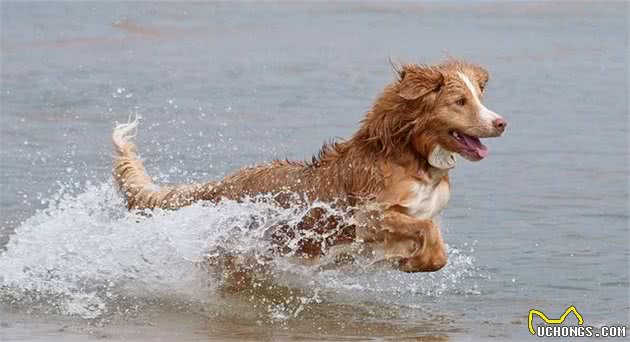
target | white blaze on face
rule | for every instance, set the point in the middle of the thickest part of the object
(486, 114)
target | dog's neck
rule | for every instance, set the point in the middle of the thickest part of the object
(442, 158)
(422, 168)
(383, 137)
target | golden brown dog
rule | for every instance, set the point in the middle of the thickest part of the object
(392, 173)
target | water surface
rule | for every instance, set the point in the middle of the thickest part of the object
(541, 223)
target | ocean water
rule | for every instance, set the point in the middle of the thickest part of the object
(541, 223)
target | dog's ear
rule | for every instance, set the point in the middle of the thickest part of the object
(480, 75)
(417, 81)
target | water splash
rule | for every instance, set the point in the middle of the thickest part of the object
(87, 256)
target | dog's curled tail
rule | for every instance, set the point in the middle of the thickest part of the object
(138, 188)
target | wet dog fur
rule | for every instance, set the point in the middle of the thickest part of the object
(392, 173)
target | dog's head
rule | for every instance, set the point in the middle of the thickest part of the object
(447, 102)
(437, 108)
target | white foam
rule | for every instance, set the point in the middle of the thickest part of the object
(87, 256)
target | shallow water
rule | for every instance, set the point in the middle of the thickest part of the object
(542, 223)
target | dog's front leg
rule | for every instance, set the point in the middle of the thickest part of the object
(417, 244)
(430, 255)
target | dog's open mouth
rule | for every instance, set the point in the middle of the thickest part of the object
(470, 147)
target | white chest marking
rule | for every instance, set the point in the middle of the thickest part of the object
(428, 200)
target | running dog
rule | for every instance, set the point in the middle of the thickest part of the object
(392, 173)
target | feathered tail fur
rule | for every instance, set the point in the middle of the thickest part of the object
(137, 187)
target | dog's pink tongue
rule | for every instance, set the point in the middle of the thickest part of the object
(482, 152)
(475, 144)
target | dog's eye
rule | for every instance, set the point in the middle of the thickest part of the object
(461, 102)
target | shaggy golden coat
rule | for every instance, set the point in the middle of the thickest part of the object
(384, 171)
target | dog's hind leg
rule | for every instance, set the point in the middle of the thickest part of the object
(137, 187)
